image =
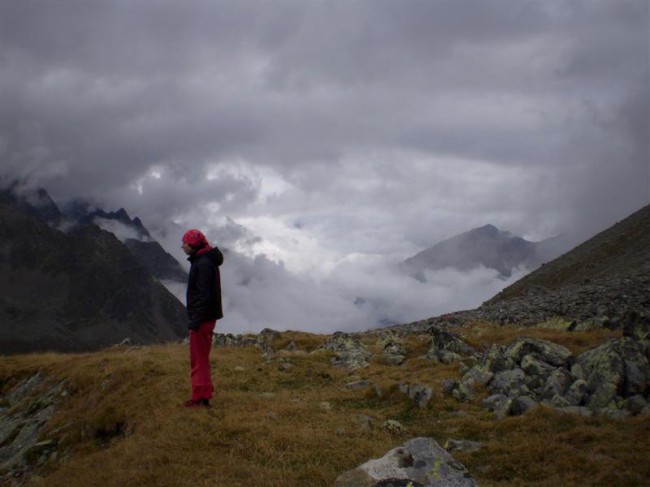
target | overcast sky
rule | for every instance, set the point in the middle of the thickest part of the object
(322, 142)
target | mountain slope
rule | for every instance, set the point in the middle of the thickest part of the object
(621, 251)
(76, 291)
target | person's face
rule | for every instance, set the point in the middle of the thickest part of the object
(187, 248)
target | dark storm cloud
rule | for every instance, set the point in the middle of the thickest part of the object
(335, 131)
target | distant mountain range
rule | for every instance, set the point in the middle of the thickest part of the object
(486, 246)
(83, 288)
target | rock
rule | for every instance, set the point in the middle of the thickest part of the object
(635, 404)
(577, 393)
(605, 371)
(464, 390)
(494, 401)
(496, 360)
(533, 366)
(394, 360)
(420, 394)
(549, 352)
(448, 386)
(360, 384)
(268, 334)
(285, 366)
(393, 427)
(509, 382)
(446, 347)
(350, 352)
(557, 383)
(325, 406)
(522, 404)
(462, 445)
(22, 426)
(419, 462)
(394, 352)
(637, 326)
(478, 375)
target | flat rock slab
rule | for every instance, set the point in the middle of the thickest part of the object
(421, 461)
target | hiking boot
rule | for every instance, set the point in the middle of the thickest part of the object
(197, 404)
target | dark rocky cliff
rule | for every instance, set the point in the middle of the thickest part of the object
(76, 291)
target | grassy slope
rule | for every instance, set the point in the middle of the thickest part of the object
(122, 424)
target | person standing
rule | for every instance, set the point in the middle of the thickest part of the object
(203, 310)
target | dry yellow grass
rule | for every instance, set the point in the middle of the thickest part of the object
(122, 423)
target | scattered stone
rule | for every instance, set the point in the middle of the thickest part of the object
(446, 347)
(420, 394)
(462, 445)
(285, 366)
(522, 404)
(360, 384)
(394, 352)
(393, 427)
(448, 386)
(420, 462)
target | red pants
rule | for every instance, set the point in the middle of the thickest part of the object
(200, 345)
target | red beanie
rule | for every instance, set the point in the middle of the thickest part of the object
(195, 239)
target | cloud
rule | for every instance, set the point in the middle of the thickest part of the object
(309, 134)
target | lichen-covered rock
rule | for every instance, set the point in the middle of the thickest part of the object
(31, 404)
(419, 462)
(446, 347)
(350, 352)
(509, 382)
(465, 390)
(618, 367)
(393, 427)
(557, 383)
(462, 445)
(577, 393)
(549, 352)
(394, 352)
(495, 360)
(533, 366)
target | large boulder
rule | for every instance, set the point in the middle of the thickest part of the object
(420, 462)
(618, 368)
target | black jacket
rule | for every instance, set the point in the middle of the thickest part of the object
(204, 288)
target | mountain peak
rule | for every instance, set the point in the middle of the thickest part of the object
(486, 231)
(485, 246)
